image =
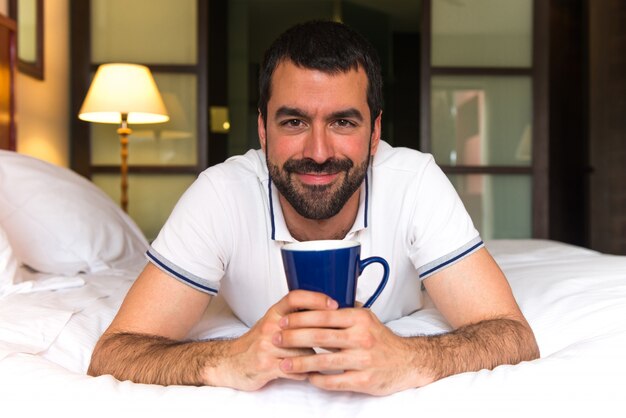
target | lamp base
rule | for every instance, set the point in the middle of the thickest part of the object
(124, 131)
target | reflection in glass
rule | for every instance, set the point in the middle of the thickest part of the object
(170, 143)
(119, 32)
(500, 205)
(482, 33)
(152, 197)
(480, 121)
(27, 30)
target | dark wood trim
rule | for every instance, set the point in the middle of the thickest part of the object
(218, 75)
(8, 136)
(567, 131)
(41, 18)
(33, 69)
(426, 38)
(8, 22)
(541, 115)
(481, 71)
(145, 169)
(585, 116)
(491, 169)
(606, 74)
(80, 78)
(202, 69)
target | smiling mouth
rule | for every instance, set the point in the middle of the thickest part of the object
(310, 174)
(317, 179)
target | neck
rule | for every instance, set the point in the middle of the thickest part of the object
(304, 229)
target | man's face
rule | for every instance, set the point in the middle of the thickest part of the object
(318, 137)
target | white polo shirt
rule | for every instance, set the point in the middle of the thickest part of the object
(225, 233)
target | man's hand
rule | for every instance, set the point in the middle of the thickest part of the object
(253, 360)
(371, 358)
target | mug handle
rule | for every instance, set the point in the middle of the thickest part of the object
(383, 282)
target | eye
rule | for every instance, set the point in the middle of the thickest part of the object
(344, 123)
(292, 123)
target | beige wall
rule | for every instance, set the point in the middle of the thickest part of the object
(43, 106)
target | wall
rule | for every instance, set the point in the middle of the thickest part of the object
(42, 107)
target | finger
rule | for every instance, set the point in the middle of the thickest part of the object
(295, 376)
(347, 381)
(294, 352)
(339, 361)
(304, 300)
(274, 348)
(272, 365)
(279, 373)
(314, 337)
(341, 318)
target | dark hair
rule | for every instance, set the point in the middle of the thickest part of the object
(326, 46)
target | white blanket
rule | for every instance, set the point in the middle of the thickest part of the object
(574, 299)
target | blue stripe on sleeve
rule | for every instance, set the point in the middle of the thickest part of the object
(452, 260)
(178, 275)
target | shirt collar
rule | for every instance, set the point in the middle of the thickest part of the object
(279, 231)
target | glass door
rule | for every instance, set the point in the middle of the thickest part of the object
(478, 113)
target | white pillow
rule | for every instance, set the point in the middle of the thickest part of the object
(58, 222)
(8, 264)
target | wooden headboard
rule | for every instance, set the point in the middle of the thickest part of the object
(7, 83)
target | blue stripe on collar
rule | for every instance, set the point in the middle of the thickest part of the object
(269, 190)
(367, 191)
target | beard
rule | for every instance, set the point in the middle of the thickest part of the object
(318, 201)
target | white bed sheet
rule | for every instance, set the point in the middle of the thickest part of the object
(574, 299)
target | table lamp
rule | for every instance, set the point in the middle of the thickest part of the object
(123, 94)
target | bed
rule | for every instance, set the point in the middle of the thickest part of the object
(84, 253)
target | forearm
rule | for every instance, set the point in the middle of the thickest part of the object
(483, 345)
(151, 359)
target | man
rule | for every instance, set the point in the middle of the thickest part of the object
(323, 173)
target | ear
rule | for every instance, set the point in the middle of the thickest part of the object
(261, 131)
(375, 139)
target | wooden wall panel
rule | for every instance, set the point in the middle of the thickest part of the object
(7, 82)
(567, 133)
(607, 124)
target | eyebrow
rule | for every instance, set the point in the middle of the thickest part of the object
(350, 113)
(286, 111)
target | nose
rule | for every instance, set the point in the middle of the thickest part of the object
(318, 145)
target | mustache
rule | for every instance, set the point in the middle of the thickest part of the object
(307, 165)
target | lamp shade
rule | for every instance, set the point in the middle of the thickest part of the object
(123, 88)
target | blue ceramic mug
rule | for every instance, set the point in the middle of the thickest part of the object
(331, 267)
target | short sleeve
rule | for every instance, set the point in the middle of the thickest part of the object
(441, 230)
(193, 244)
